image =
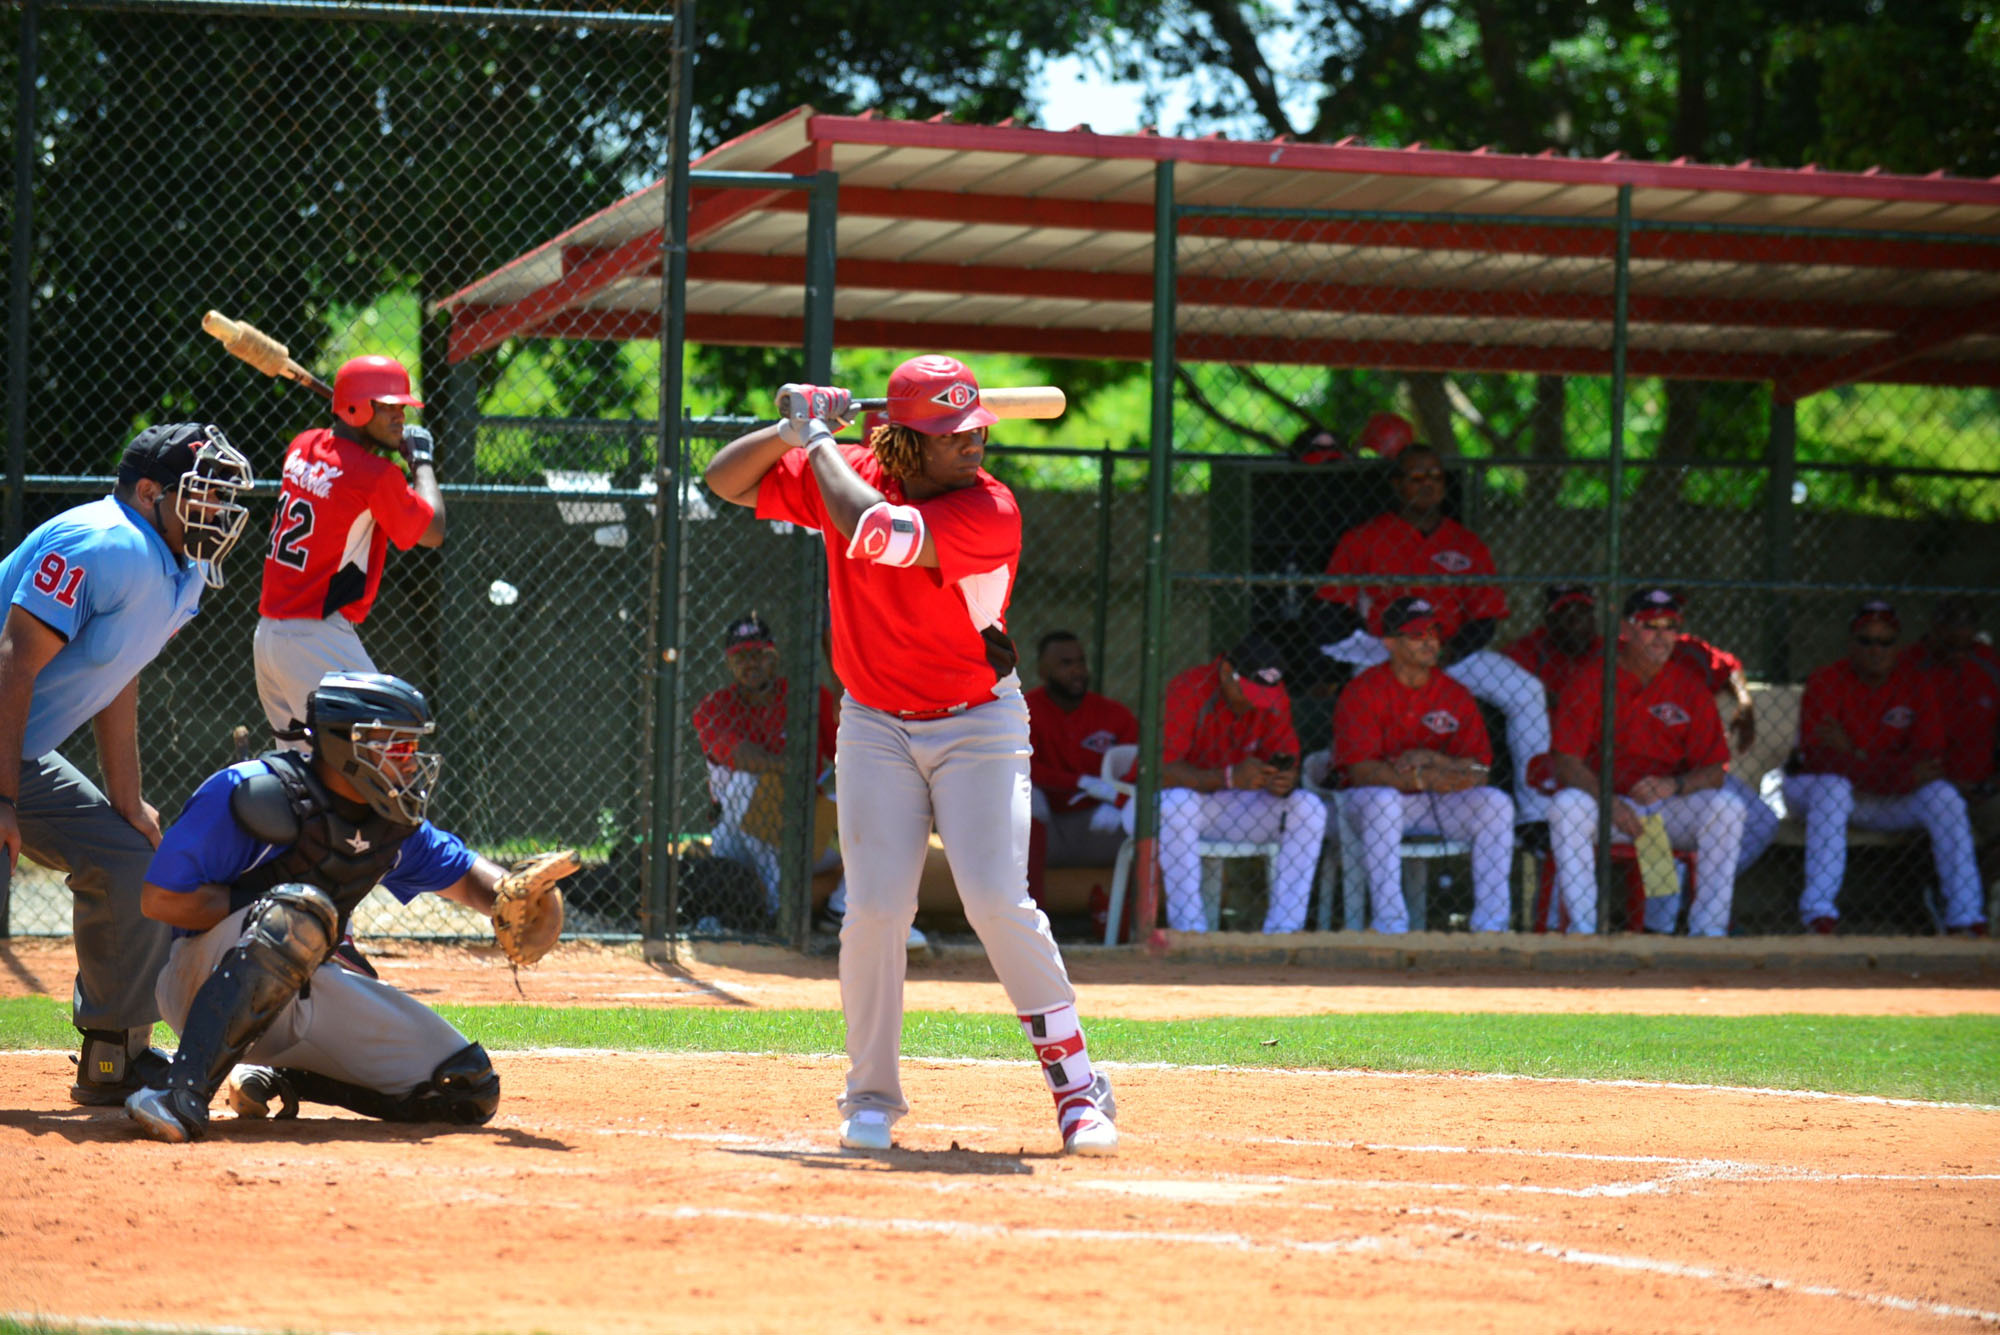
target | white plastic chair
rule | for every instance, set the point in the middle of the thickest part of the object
(1417, 849)
(1117, 760)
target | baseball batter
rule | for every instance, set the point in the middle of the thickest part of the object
(341, 503)
(922, 548)
(257, 878)
(93, 596)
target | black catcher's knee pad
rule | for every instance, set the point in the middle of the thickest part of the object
(464, 1088)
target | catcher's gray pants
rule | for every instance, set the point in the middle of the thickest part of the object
(969, 774)
(350, 1026)
(68, 825)
(291, 658)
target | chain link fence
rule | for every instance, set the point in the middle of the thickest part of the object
(1824, 573)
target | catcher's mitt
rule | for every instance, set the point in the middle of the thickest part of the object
(528, 908)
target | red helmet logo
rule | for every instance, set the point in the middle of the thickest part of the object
(957, 394)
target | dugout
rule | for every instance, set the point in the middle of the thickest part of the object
(1747, 286)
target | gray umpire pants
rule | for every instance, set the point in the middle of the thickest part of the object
(350, 1026)
(968, 774)
(69, 826)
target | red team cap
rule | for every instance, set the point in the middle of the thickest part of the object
(1653, 606)
(936, 395)
(1387, 434)
(1260, 672)
(1875, 609)
(1562, 595)
(747, 632)
(363, 382)
(1409, 617)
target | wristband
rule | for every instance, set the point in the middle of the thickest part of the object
(425, 457)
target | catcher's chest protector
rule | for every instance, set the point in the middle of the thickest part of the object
(287, 804)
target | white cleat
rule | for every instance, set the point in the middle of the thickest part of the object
(149, 1108)
(917, 946)
(1091, 1136)
(252, 1090)
(865, 1130)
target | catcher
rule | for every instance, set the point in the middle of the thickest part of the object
(257, 879)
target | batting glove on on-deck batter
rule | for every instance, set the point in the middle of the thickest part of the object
(799, 406)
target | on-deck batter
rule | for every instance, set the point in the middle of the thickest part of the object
(922, 547)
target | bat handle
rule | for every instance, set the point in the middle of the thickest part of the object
(871, 405)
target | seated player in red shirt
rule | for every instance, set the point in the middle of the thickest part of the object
(1567, 644)
(1413, 755)
(742, 731)
(1070, 727)
(1416, 540)
(1871, 753)
(1667, 756)
(1229, 769)
(1962, 673)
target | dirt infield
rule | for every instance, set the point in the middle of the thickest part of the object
(639, 1192)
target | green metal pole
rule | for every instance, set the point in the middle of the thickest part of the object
(802, 658)
(1159, 483)
(20, 278)
(1100, 612)
(1614, 553)
(1782, 453)
(662, 861)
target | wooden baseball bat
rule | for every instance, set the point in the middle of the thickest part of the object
(1038, 401)
(262, 351)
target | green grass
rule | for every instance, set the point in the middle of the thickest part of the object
(1954, 1058)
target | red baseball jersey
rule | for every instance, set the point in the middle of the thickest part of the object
(1389, 544)
(724, 720)
(1666, 726)
(340, 505)
(1069, 743)
(909, 639)
(1379, 718)
(1891, 727)
(1965, 696)
(1203, 731)
(1536, 652)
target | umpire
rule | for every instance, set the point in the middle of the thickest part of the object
(94, 595)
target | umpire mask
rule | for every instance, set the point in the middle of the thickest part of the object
(206, 502)
(370, 728)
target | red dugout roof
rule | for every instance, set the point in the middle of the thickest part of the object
(1005, 239)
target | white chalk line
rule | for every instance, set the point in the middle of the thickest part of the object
(35, 1319)
(1306, 1073)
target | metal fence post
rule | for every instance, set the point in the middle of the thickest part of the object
(1100, 611)
(1614, 553)
(19, 280)
(1159, 484)
(662, 860)
(1782, 455)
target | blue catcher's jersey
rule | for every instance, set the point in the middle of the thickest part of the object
(104, 579)
(205, 846)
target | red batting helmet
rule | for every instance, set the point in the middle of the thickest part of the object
(363, 382)
(937, 396)
(1386, 434)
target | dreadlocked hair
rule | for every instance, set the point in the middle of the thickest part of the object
(900, 450)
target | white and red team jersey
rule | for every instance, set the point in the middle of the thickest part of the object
(1070, 743)
(1379, 718)
(1890, 727)
(340, 505)
(1663, 727)
(909, 639)
(1389, 544)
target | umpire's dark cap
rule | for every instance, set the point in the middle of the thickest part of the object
(747, 632)
(162, 453)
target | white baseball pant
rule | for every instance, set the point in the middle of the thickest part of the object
(1496, 680)
(1381, 817)
(1829, 804)
(292, 655)
(347, 1026)
(1709, 822)
(1760, 823)
(733, 789)
(969, 774)
(1295, 822)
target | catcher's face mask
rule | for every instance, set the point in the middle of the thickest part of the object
(383, 760)
(207, 506)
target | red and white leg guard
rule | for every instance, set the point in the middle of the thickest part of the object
(1084, 1109)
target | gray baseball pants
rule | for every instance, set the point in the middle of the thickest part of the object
(293, 655)
(349, 1026)
(969, 774)
(68, 825)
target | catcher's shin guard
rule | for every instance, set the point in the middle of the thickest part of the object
(464, 1089)
(289, 933)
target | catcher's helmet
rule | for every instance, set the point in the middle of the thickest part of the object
(1386, 434)
(366, 726)
(363, 382)
(937, 396)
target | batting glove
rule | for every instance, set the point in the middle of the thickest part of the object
(830, 405)
(418, 446)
